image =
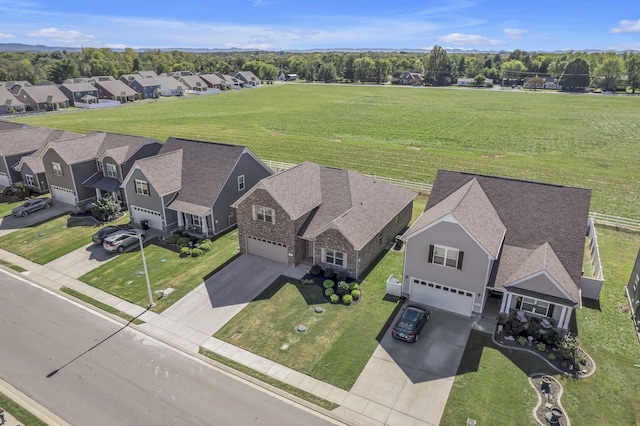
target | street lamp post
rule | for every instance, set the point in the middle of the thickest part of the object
(146, 273)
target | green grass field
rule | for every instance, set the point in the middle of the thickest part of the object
(582, 140)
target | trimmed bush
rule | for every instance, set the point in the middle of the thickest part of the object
(205, 247)
(353, 286)
(522, 340)
(329, 274)
(341, 275)
(328, 292)
(328, 283)
(196, 252)
(334, 298)
(183, 241)
(355, 294)
(173, 239)
(315, 270)
(541, 347)
(343, 288)
(551, 357)
(347, 299)
(185, 251)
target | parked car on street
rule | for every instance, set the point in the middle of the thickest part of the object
(122, 239)
(31, 206)
(103, 233)
(410, 324)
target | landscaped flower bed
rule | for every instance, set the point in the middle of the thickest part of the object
(337, 287)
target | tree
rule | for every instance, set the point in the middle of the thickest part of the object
(633, 71)
(478, 80)
(364, 68)
(327, 73)
(269, 72)
(62, 69)
(437, 67)
(106, 209)
(610, 72)
(513, 69)
(535, 82)
(382, 69)
(576, 75)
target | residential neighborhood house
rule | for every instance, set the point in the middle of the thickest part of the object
(115, 90)
(247, 78)
(9, 103)
(80, 93)
(42, 98)
(408, 78)
(333, 217)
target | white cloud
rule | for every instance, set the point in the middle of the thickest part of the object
(514, 33)
(60, 36)
(2, 35)
(626, 26)
(458, 39)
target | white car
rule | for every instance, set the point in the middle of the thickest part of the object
(120, 240)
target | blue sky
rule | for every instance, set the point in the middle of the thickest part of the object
(325, 24)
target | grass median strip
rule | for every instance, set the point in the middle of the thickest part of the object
(12, 266)
(22, 415)
(101, 305)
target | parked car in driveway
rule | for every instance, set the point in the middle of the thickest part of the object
(31, 206)
(410, 324)
(122, 239)
(103, 233)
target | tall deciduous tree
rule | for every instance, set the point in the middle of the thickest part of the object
(576, 75)
(327, 73)
(633, 71)
(364, 68)
(382, 69)
(437, 67)
(514, 70)
(62, 69)
(610, 72)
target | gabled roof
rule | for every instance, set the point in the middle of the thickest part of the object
(533, 213)
(170, 82)
(30, 139)
(45, 93)
(193, 81)
(247, 76)
(9, 125)
(116, 87)
(213, 79)
(8, 99)
(147, 74)
(79, 87)
(163, 171)
(473, 210)
(145, 82)
(356, 205)
(32, 161)
(205, 167)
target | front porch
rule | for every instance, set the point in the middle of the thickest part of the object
(525, 307)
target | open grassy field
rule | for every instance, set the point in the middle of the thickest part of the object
(583, 140)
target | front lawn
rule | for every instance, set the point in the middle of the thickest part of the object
(50, 240)
(5, 208)
(496, 391)
(124, 276)
(338, 342)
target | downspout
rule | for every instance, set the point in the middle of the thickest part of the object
(357, 262)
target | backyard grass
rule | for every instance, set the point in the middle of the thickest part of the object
(22, 415)
(122, 276)
(101, 305)
(496, 391)
(338, 342)
(48, 241)
(582, 140)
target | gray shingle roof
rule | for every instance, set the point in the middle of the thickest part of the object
(163, 171)
(33, 162)
(170, 82)
(205, 167)
(30, 139)
(212, 79)
(358, 206)
(8, 99)
(8, 125)
(40, 94)
(193, 81)
(79, 87)
(116, 88)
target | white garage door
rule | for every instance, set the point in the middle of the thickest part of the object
(63, 195)
(4, 179)
(140, 213)
(269, 249)
(441, 296)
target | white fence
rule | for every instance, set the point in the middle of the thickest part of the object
(598, 218)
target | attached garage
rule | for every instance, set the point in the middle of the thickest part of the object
(63, 195)
(268, 249)
(444, 297)
(140, 213)
(4, 179)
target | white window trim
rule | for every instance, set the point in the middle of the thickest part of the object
(326, 253)
(241, 184)
(534, 302)
(110, 167)
(142, 187)
(264, 212)
(57, 168)
(29, 180)
(446, 256)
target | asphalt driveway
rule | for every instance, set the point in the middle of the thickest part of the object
(413, 380)
(10, 224)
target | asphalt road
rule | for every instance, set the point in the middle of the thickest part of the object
(90, 370)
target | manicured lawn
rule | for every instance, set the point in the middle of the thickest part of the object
(338, 342)
(5, 208)
(581, 140)
(101, 305)
(22, 415)
(121, 276)
(50, 240)
(496, 391)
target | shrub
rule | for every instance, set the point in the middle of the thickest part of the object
(347, 299)
(334, 298)
(206, 241)
(502, 318)
(196, 252)
(353, 286)
(329, 274)
(315, 270)
(185, 251)
(106, 209)
(541, 347)
(328, 283)
(329, 291)
(582, 360)
(343, 288)
(183, 241)
(205, 247)
(522, 340)
(564, 364)
(341, 275)
(173, 239)
(355, 294)
(551, 357)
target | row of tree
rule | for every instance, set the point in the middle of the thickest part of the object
(574, 70)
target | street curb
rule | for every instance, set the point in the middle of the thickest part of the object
(31, 405)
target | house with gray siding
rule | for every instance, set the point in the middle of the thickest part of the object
(115, 90)
(42, 98)
(333, 217)
(80, 93)
(92, 167)
(519, 239)
(146, 88)
(247, 78)
(190, 185)
(9, 103)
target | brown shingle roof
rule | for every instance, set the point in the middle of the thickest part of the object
(116, 88)
(163, 171)
(95, 144)
(30, 139)
(8, 125)
(40, 94)
(8, 99)
(79, 87)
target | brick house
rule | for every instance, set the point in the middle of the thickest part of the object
(333, 217)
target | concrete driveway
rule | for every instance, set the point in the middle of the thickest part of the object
(409, 381)
(10, 224)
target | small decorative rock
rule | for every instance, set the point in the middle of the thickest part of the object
(41, 234)
(509, 338)
(163, 260)
(319, 309)
(140, 272)
(302, 328)
(129, 282)
(284, 347)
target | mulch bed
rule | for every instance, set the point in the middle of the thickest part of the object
(549, 398)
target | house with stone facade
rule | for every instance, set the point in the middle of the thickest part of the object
(334, 217)
(521, 240)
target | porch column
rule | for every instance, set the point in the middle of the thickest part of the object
(562, 317)
(98, 195)
(180, 220)
(565, 324)
(203, 220)
(506, 302)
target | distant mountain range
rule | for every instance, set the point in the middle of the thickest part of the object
(19, 47)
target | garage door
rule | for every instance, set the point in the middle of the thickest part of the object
(63, 195)
(4, 179)
(269, 249)
(441, 296)
(140, 213)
